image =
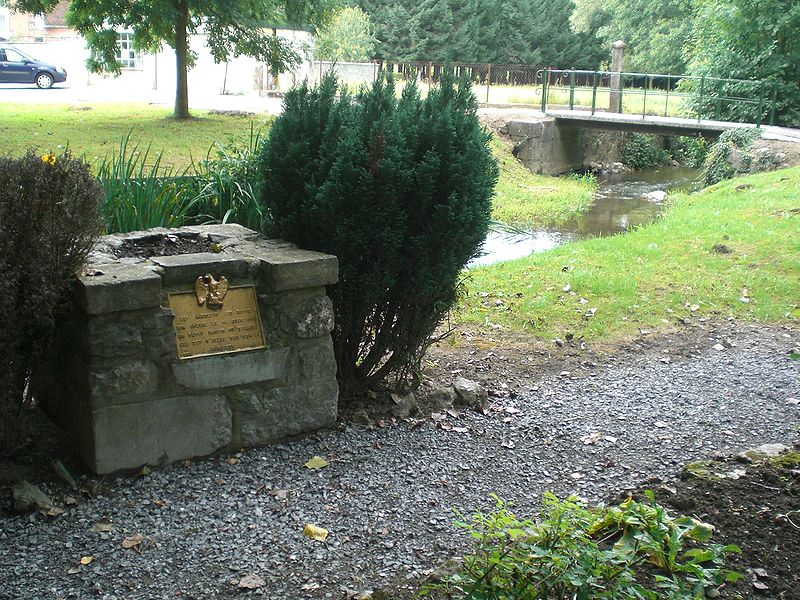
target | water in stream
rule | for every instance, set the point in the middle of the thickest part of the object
(621, 201)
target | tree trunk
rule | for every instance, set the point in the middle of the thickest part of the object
(181, 60)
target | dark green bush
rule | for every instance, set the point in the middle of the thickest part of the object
(632, 550)
(399, 190)
(49, 219)
(641, 151)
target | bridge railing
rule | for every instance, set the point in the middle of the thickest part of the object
(686, 96)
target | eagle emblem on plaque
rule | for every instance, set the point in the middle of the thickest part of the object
(210, 291)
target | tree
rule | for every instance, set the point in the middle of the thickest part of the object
(347, 37)
(233, 28)
(751, 39)
(495, 31)
(656, 32)
(400, 190)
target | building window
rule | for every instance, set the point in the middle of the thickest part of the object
(4, 24)
(126, 55)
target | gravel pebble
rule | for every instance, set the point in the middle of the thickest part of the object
(388, 495)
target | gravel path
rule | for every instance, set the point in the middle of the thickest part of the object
(388, 493)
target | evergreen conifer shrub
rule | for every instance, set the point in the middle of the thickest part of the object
(400, 191)
(49, 220)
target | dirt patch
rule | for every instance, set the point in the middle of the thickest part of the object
(164, 245)
(756, 507)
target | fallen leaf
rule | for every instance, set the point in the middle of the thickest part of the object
(145, 471)
(279, 494)
(52, 511)
(251, 581)
(73, 570)
(132, 541)
(85, 560)
(452, 412)
(316, 463)
(760, 586)
(70, 501)
(233, 460)
(610, 439)
(315, 533)
(102, 526)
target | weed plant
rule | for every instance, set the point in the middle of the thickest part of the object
(142, 194)
(632, 550)
(229, 185)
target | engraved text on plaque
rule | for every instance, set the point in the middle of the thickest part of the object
(202, 330)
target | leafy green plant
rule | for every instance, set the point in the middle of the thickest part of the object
(641, 151)
(718, 164)
(140, 193)
(229, 180)
(49, 220)
(688, 150)
(631, 550)
(400, 191)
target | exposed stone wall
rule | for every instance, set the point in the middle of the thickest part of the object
(126, 399)
(546, 148)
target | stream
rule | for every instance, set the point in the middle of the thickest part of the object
(622, 201)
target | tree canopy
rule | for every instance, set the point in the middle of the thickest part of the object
(496, 31)
(752, 39)
(232, 28)
(348, 36)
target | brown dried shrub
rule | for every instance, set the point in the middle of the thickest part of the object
(49, 220)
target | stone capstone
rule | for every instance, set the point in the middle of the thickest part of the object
(119, 287)
(291, 269)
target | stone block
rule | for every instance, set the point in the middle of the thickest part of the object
(120, 287)
(228, 370)
(313, 319)
(129, 379)
(159, 432)
(113, 339)
(183, 269)
(316, 361)
(292, 268)
(282, 412)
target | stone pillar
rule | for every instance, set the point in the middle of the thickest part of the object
(617, 58)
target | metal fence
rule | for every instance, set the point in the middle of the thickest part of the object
(687, 96)
(542, 87)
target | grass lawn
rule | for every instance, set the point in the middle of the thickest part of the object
(523, 198)
(716, 253)
(96, 132)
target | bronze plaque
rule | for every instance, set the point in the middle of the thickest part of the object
(205, 329)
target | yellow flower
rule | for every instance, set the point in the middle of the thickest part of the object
(49, 158)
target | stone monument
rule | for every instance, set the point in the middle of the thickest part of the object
(183, 342)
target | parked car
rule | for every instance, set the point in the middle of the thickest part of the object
(18, 67)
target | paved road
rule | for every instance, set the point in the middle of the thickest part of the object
(114, 92)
